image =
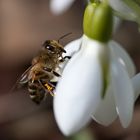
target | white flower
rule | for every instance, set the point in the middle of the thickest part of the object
(59, 6)
(79, 91)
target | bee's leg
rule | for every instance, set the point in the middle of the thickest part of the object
(50, 70)
(64, 58)
(56, 74)
(50, 88)
(47, 69)
(67, 57)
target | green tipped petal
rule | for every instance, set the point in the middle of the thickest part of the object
(98, 21)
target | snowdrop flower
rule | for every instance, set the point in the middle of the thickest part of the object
(96, 82)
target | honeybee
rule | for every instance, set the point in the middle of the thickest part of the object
(43, 69)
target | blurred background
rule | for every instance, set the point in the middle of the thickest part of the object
(24, 26)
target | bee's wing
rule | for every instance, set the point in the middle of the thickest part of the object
(23, 79)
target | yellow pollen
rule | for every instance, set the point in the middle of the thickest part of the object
(50, 88)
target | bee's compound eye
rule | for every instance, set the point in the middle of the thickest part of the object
(50, 48)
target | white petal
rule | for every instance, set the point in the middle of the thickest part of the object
(106, 111)
(123, 57)
(79, 91)
(136, 85)
(59, 6)
(70, 49)
(123, 91)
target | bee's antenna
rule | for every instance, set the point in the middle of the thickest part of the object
(63, 36)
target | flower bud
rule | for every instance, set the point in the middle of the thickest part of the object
(98, 21)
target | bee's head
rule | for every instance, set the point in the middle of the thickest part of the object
(53, 46)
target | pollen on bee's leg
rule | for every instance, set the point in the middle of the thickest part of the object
(50, 89)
